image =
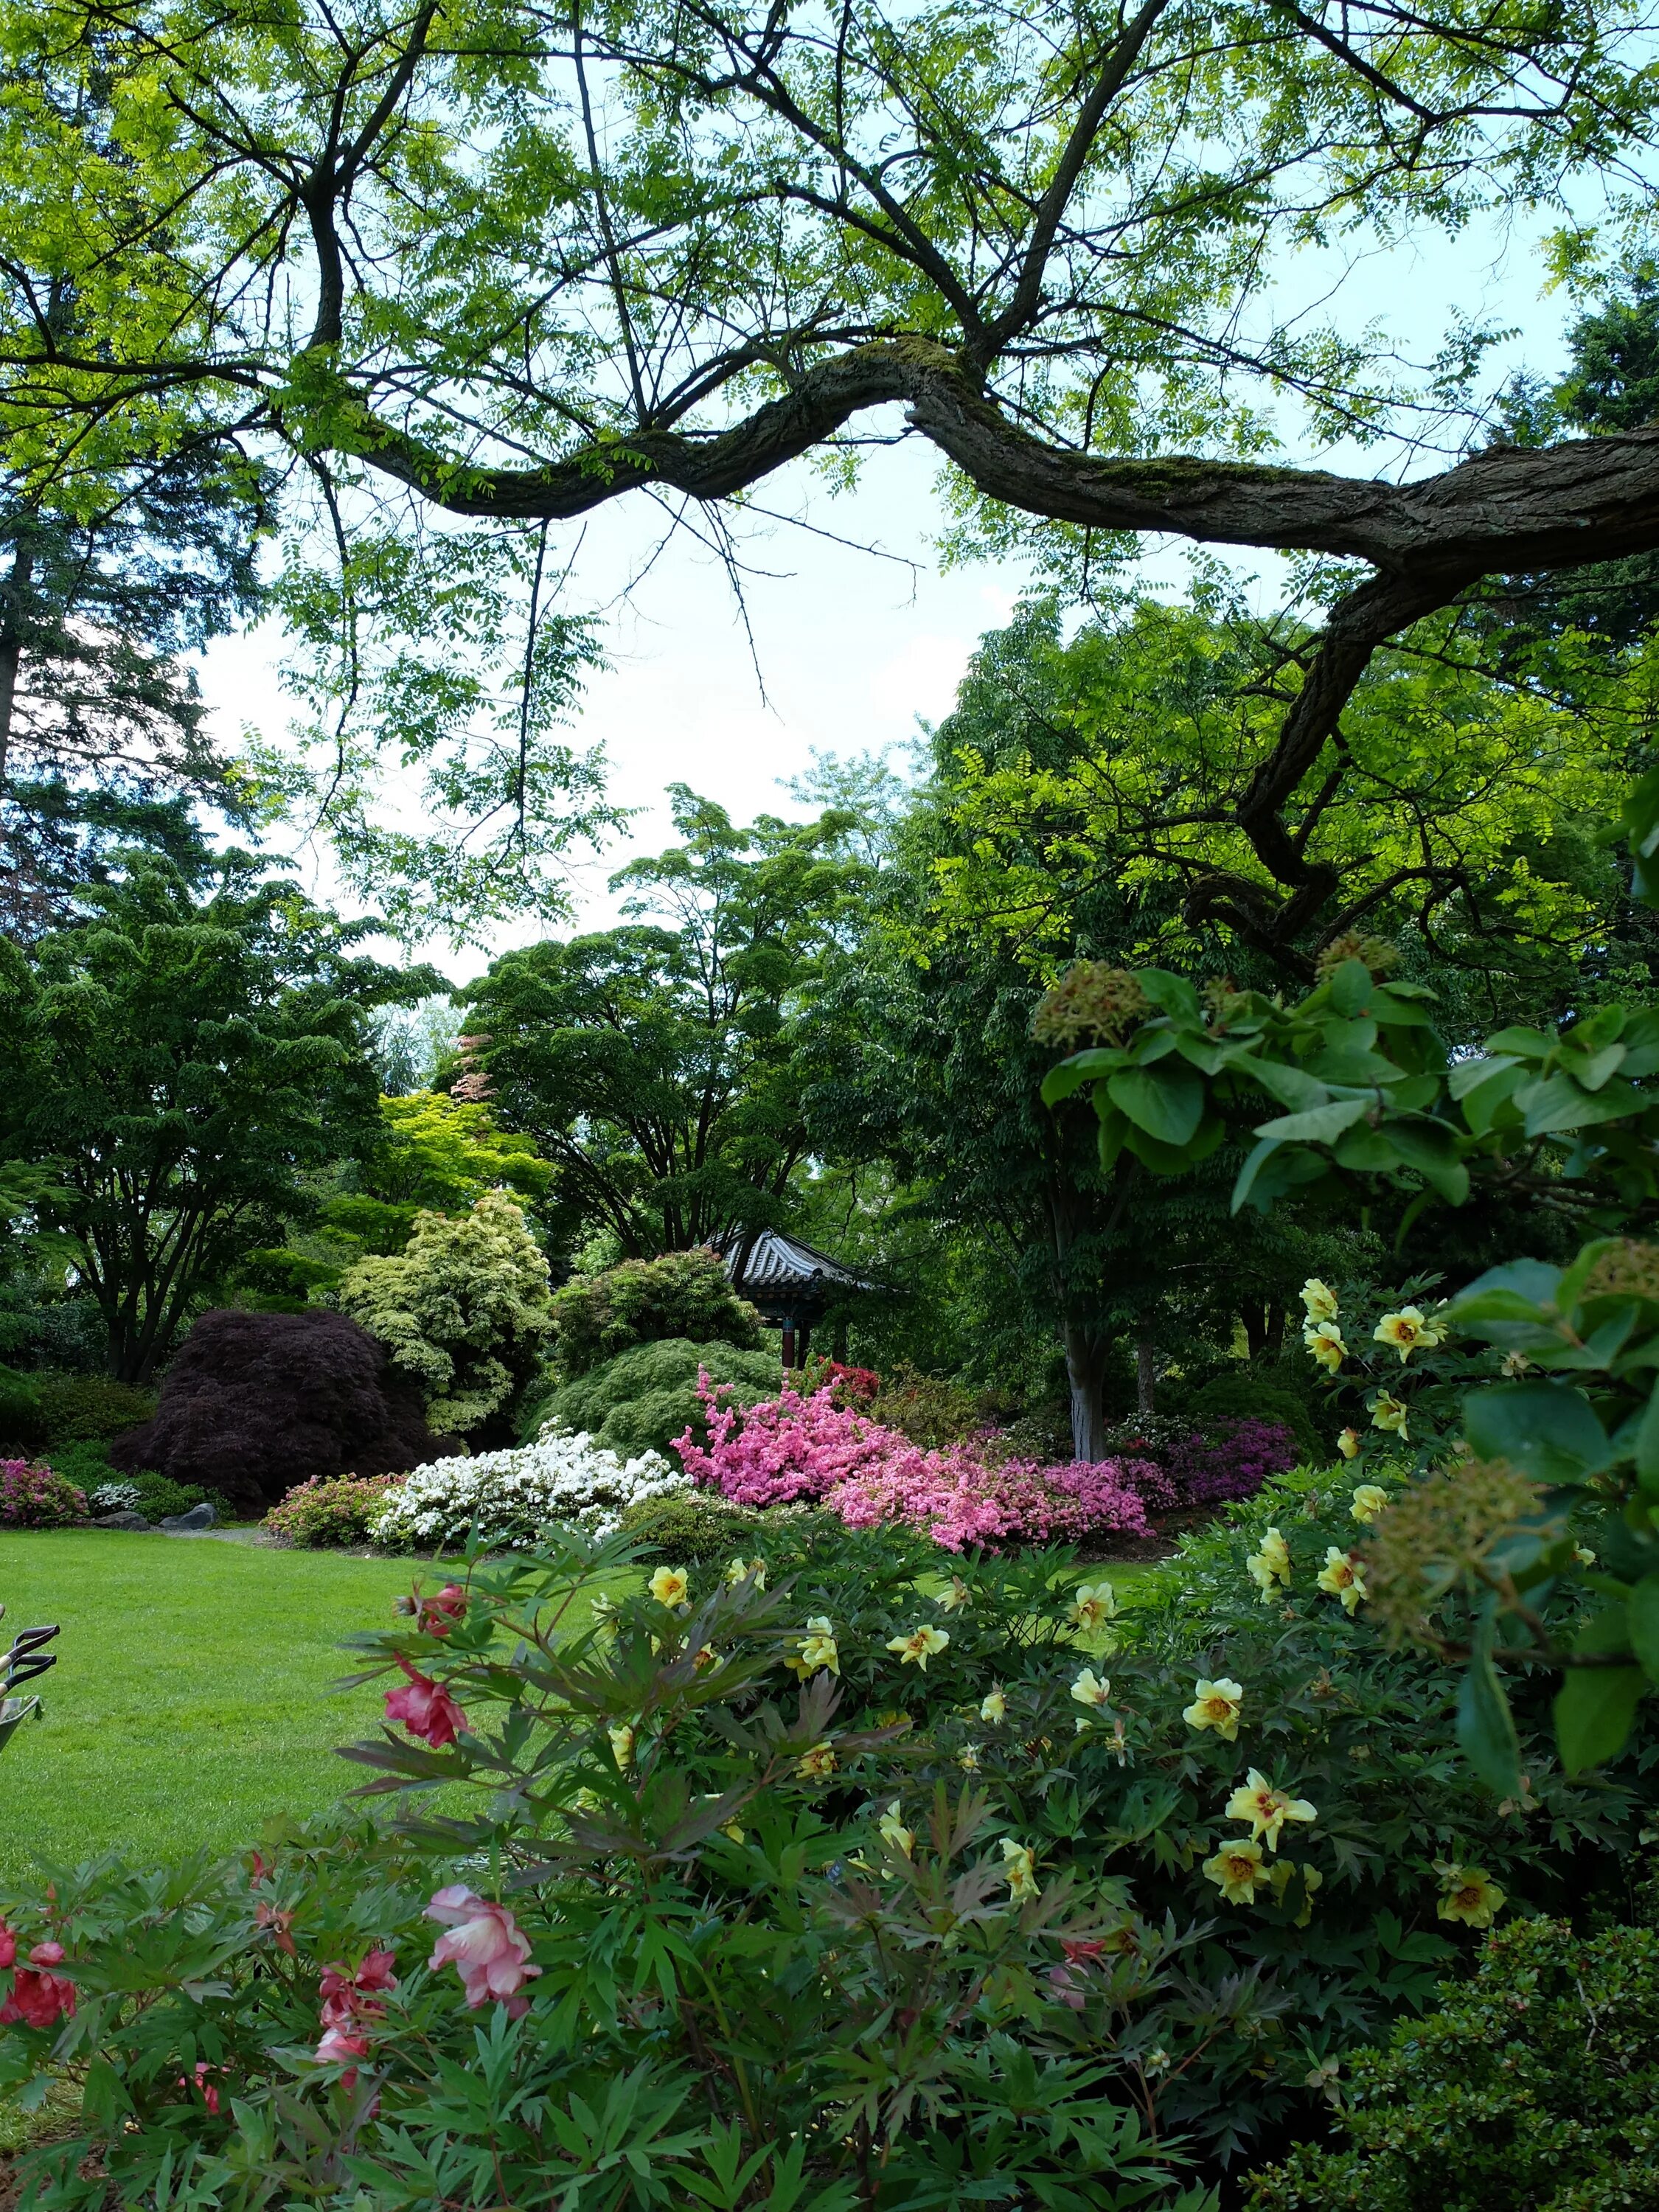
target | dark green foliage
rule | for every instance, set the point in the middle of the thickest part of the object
(160, 1499)
(696, 1530)
(1246, 1397)
(1534, 2088)
(930, 1409)
(89, 1408)
(644, 1398)
(85, 1465)
(683, 1294)
(22, 1427)
(182, 1062)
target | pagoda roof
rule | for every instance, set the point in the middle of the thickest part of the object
(780, 1263)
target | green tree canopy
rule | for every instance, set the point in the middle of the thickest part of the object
(182, 1062)
(653, 1064)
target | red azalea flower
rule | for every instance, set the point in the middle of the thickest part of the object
(7, 1947)
(426, 1709)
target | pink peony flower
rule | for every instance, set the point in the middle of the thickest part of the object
(39, 1998)
(426, 1709)
(205, 2083)
(7, 1947)
(336, 2047)
(485, 1945)
(375, 1973)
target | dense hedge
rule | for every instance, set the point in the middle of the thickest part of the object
(643, 1400)
(682, 1294)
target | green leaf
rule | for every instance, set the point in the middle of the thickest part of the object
(1545, 1429)
(1319, 1125)
(1390, 1011)
(1430, 1147)
(1595, 1705)
(1350, 987)
(1559, 1104)
(1166, 1100)
(1082, 1067)
(1641, 1618)
(1646, 1447)
(1292, 1086)
(1173, 992)
(1467, 1075)
(1486, 1726)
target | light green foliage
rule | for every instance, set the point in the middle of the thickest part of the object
(465, 1308)
(1368, 1094)
(1535, 2083)
(686, 1295)
(183, 1061)
(644, 1399)
(656, 1064)
(318, 1516)
(697, 1529)
(437, 1153)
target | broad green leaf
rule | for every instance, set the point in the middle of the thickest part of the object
(1641, 1618)
(1391, 1009)
(1173, 992)
(1082, 1067)
(1177, 1159)
(1430, 1147)
(1466, 1075)
(1292, 1086)
(1319, 1125)
(1594, 1070)
(1166, 1100)
(1545, 1429)
(1595, 1705)
(1647, 1446)
(1486, 1726)
(1350, 987)
(1559, 1104)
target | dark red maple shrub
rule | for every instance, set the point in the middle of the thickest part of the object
(256, 1402)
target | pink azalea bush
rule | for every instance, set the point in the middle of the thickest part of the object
(795, 1449)
(33, 1496)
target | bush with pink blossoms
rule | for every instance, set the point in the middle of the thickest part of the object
(33, 1496)
(795, 1449)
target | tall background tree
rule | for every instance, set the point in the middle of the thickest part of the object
(654, 1063)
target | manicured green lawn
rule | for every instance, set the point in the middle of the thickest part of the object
(189, 1702)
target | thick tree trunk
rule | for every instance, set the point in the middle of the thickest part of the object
(1085, 1371)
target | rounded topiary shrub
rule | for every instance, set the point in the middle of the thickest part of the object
(315, 1516)
(687, 1295)
(89, 1408)
(255, 1403)
(695, 1529)
(33, 1496)
(645, 1399)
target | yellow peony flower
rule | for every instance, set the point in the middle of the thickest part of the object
(1341, 1577)
(1320, 1299)
(1019, 1869)
(815, 1648)
(1405, 1331)
(1265, 1808)
(733, 1833)
(968, 1758)
(1349, 1444)
(1368, 1502)
(622, 1746)
(1468, 1893)
(1584, 1556)
(1326, 1344)
(671, 1585)
(1515, 1362)
(1217, 1705)
(1093, 1606)
(814, 1765)
(739, 1570)
(994, 1707)
(1388, 1412)
(921, 1645)
(1284, 1873)
(1270, 1566)
(1089, 1689)
(1238, 1872)
(893, 1832)
(953, 1599)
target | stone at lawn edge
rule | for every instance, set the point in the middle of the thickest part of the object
(135, 1522)
(187, 1524)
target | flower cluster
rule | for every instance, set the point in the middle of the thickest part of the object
(798, 1450)
(118, 1497)
(485, 1945)
(1405, 1329)
(33, 1496)
(507, 1496)
(38, 1998)
(336, 1509)
(351, 2004)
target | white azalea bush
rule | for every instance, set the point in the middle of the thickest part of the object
(509, 1497)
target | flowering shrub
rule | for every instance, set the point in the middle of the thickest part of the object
(116, 1498)
(33, 1496)
(506, 1498)
(792, 1449)
(339, 1510)
(849, 1386)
